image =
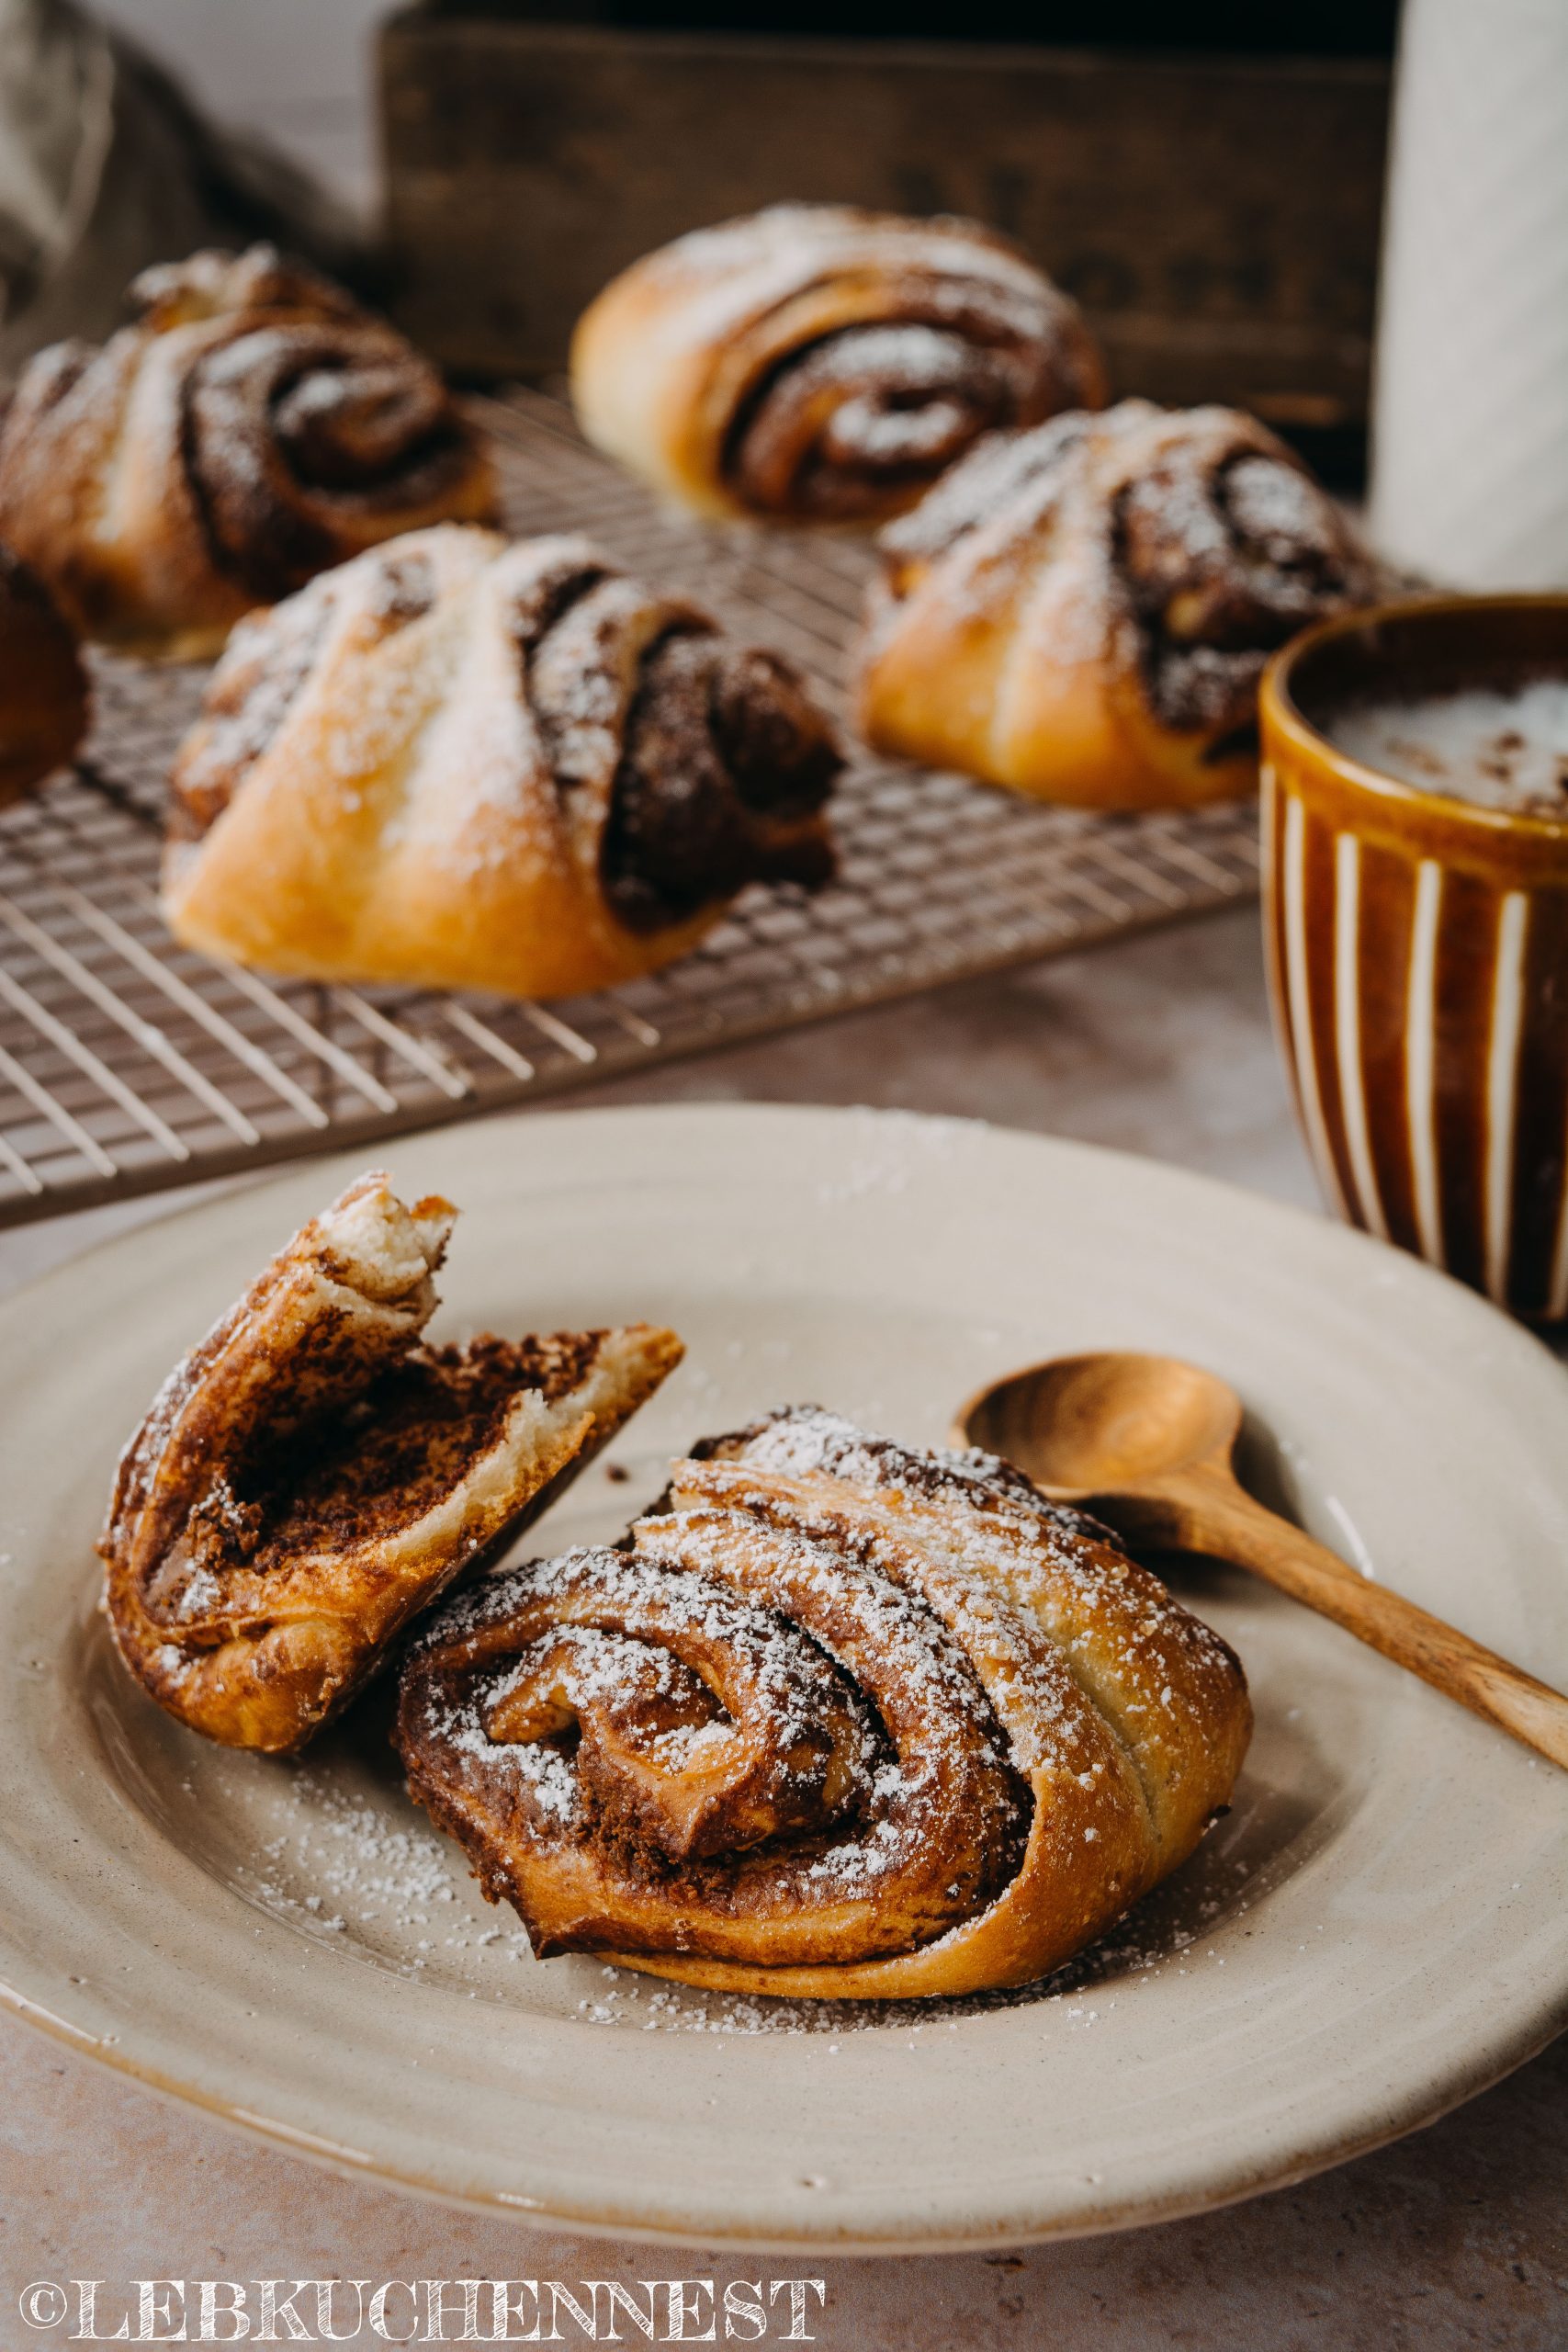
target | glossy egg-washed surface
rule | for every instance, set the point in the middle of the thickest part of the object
(1418, 956)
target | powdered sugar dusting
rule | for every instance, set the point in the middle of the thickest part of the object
(1191, 541)
(746, 269)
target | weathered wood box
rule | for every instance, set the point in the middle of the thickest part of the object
(1218, 218)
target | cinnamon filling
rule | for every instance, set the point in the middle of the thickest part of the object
(836, 428)
(1222, 567)
(732, 1730)
(293, 421)
(710, 778)
(685, 1746)
(549, 599)
(725, 761)
(367, 1468)
(344, 426)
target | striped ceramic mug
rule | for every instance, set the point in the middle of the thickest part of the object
(1418, 953)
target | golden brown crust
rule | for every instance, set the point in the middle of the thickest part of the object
(1083, 612)
(463, 765)
(311, 1476)
(43, 687)
(935, 1733)
(817, 363)
(252, 426)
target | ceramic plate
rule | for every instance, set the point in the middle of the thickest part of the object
(1375, 1931)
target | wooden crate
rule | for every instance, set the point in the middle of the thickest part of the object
(1218, 218)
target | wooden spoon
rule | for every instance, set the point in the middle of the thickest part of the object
(1145, 1443)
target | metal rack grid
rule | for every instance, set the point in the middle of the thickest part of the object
(128, 1063)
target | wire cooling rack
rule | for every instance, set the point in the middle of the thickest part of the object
(128, 1063)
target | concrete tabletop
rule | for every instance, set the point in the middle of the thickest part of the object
(1455, 2237)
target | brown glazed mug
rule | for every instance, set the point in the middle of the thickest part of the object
(1419, 953)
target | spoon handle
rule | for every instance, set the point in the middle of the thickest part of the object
(1215, 1515)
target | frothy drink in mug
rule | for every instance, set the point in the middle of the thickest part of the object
(1416, 888)
(1500, 747)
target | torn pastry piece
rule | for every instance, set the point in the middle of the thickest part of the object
(845, 1719)
(312, 1475)
(817, 363)
(251, 425)
(460, 764)
(1083, 612)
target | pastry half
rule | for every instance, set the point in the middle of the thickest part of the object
(817, 363)
(313, 1476)
(841, 1719)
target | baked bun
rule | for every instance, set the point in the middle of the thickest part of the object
(843, 1719)
(312, 1475)
(460, 764)
(252, 427)
(1083, 612)
(815, 362)
(43, 687)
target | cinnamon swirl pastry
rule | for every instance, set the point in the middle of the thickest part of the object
(815, 362)
(464, 764)
(312, 1475)
(43, 687)
(251, 427)
(844, 1719)
(1083, 612)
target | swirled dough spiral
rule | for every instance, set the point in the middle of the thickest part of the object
(252, 427)
(1084, 611)
(843, 1719)
(815, 362)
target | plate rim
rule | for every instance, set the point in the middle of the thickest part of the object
(287, 2140)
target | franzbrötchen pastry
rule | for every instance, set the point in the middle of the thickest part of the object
(461, 763)
(43, 687)
(312, 1475)
(1084, 611)
(844, 1719)
(252, 427)
(815, 362)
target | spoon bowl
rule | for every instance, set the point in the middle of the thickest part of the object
(1147, 1440)
(1084, 1425)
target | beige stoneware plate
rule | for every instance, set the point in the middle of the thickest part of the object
(1377, 1929)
